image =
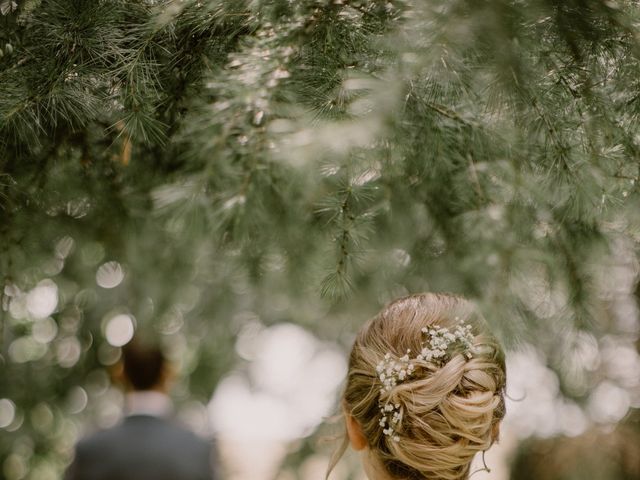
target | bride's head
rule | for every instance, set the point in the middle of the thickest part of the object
(425, 389)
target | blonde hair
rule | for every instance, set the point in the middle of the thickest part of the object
(449, 412)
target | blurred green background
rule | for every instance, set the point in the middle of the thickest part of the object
(247, 181)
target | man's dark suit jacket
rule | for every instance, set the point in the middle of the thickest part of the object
(143, 447)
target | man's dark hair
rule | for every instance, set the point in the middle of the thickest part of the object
(143, 365)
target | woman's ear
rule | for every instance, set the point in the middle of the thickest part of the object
(354, 432)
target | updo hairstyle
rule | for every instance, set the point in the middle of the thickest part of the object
(450, 411)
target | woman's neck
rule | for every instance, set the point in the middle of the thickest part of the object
(373, 467)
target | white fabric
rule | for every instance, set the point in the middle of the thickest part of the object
(148, 402)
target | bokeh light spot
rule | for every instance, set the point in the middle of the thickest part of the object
(64, 247)
(119, 330)
(42, 418)
(44, 330)
(108, 355)
(68, 352)
(43, 299)
(15, 467)
(608, 403)
(77, 400)
(289, 386)
(26, 349)
(109, 275)
(7, 412)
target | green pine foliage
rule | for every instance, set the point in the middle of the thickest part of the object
(309, 161)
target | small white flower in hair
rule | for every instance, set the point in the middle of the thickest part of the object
(435, 349)
(391, 417)
(437, 346)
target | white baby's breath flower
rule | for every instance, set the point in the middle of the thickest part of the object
(435, 349)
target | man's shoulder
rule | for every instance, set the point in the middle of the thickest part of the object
(151, 429)
(145, 447)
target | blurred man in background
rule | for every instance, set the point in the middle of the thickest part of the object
(147, 445)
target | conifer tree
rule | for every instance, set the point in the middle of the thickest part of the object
(307, 161)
